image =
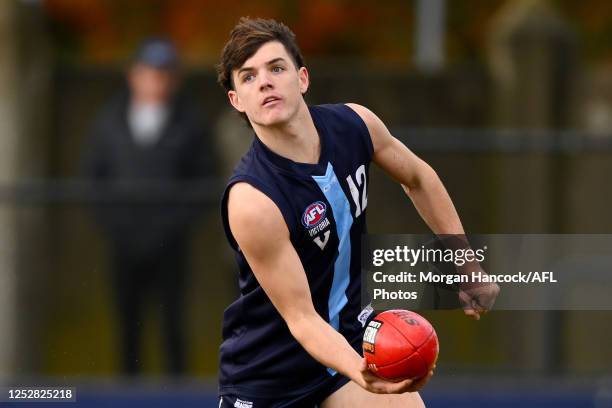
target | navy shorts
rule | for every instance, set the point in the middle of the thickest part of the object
(312, 399)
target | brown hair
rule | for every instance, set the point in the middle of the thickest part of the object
(246, 38)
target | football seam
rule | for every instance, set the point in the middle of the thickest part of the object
(402, 360)
(407, 339)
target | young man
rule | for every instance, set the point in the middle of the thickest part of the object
(294, 211)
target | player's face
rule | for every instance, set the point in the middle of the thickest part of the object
(268, 87)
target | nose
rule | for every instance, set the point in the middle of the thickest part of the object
(264, 81)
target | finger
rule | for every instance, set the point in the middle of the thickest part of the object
(484, 307)
(477, 306)
(420, 383)
(472, 313)
(414, 385)
(364, 365)
(401, 386)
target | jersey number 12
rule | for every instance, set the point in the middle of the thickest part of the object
(360, 176)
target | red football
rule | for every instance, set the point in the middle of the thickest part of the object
(399, 344)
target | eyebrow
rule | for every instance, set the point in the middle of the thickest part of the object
(272, 61)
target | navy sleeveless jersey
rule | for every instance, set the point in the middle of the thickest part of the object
(323, 206)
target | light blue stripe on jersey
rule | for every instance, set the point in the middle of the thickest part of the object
(330, 186)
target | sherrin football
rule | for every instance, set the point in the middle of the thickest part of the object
(400, 344)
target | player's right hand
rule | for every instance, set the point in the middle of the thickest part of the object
(377, 385)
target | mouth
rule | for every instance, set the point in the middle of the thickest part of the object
(270, 100)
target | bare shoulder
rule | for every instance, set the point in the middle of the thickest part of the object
(378, 131)
(367, 115)
(250, 212)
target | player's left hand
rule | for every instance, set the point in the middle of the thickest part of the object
(478, 298)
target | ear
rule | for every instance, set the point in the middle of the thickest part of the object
(304, 80)
(235, 100)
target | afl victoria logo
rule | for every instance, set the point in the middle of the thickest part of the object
(314, 214)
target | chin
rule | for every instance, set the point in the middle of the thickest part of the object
(274, 119)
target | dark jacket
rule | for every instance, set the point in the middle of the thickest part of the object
(141, 209)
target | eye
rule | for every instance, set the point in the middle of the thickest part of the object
(248, 78)
(277, 69)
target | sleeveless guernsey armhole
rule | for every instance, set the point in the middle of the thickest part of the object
(363, 130)
(274, 195)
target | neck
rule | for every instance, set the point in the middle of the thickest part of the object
(296, 139)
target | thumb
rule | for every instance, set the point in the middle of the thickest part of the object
(364, 365)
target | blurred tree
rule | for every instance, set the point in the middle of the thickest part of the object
(468, 25)
(105, 31)
(593, 21)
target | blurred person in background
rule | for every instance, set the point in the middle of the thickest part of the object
(144, 142)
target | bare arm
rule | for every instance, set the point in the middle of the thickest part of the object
(280, 273)
(419, 180)
(423, 186)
